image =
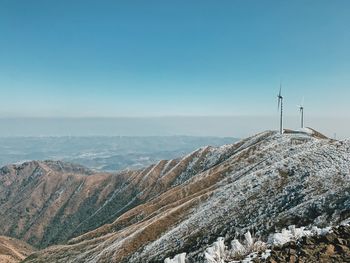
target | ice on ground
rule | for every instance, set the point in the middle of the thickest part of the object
(249, 239)
(292, 233)
(320, 231)
(237, 248)
(307, 130)
(216, 252)
(219, 253)
(180, 258)
(266, 254)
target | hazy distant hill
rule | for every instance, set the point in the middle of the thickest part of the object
(103, 153)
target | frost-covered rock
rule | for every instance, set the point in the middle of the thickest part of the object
(330, 247)
(248, 239)
(219, 253)
(180, 258)
(292, 233)
(320, 231)
(237, 249)
(216, 252)
(280, 238)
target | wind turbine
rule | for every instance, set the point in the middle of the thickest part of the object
(301, 109)
(280, 107)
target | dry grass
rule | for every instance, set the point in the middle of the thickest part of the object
(13, 250)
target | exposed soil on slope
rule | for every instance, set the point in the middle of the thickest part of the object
(13, 250)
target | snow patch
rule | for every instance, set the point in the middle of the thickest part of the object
(216, 252)
(180, 258)
(293, 234)
(219, 253)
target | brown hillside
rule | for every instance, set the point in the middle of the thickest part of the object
(13, 250)
(46, 203)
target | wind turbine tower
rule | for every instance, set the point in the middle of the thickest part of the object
(301, 109)
(280, 107)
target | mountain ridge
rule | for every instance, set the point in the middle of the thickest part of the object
(262, 183)
(56, 196)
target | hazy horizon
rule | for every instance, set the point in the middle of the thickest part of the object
(217, 126)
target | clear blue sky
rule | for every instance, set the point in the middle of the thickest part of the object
(159, 58)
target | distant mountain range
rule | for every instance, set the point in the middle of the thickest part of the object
(101, 152)
(191, 206)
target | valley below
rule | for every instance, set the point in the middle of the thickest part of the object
(103, 153)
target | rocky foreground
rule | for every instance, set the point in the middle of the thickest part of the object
(331, 247)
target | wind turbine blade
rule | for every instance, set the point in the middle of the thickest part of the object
(302, 101)
(279, 103)
(279, 94)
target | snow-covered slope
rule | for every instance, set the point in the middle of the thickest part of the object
(261, 184)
